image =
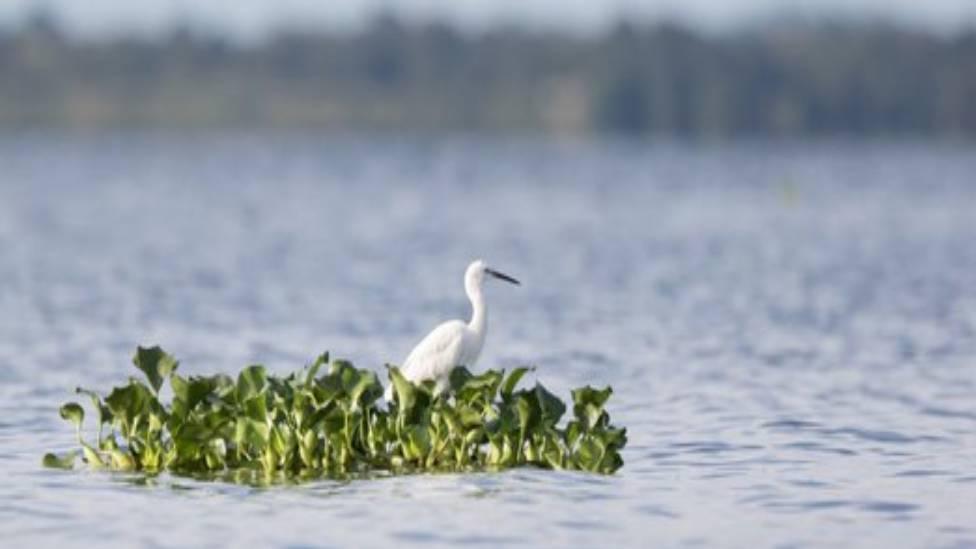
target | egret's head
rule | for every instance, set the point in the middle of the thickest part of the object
(476, 272)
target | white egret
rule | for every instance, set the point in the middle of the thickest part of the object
(455, 342)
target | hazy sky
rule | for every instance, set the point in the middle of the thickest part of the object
(252, 17)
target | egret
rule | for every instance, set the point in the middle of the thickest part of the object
(455, 342)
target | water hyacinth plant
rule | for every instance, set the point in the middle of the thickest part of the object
(328, 420)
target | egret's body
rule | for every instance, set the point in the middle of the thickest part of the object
(455, 342)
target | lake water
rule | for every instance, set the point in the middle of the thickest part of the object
(790, 329)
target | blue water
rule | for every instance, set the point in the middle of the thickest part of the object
(790, 329)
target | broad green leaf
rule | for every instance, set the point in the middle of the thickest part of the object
(194, 390)
(193, 432)
(594, 417)
(485, 385)
(256, 408)
(122, 461)
(615, 438)
(404, 391)
(589, 395)
(470, 417)
(214, 461)
(588, 406)
(453, 420)
(226, 385)
(338, 366)
(333, 422)
(313, 369)
(588, 454)
(611, 462)
(280, 392)
(156, 422)
(572, 434)
(508, 386)
(252, 381)
(550, 407)
(552, 453)
(155, 364)
(130, 401)
(74, 413)
(276, 440)
(253, 433)
(458, 377)
(108, 444)
(362, 386)
(418, 441)
(528, 413)
(475, 436)
(65, 461)
(92, 456)
(326, 390)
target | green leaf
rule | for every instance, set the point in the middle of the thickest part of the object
(572, 434)
(551, 452)
(130, 401)
(590, 454)
(226, 386)
(193, 432)
(480, 388)
(74, 413)
(611, 462)
(155, 364)
(313, 369)
(256, 408)
(458, 377)
(470, 417)
(252, 381)
(276, 440)
(527, 410)
(65, 461)
(588, 406)
(194, 390)
(338, 366)
(508, 386)
(475, 436)
(550, 407)
(326, 390)
(122, 461)
(589, 395)
(453, 420)
(362, 386)
(404, 392)
(92, 456)
(418, 441)
(250, 432)
(108, 444)
(615, 438)
(487, 381)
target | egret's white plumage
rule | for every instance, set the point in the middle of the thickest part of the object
(455, 342)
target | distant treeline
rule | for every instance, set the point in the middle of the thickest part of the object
(788, 80)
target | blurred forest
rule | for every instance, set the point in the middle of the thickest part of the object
(781, 80)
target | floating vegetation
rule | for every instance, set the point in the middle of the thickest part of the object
(328, 420)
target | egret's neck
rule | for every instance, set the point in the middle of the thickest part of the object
(479, 311)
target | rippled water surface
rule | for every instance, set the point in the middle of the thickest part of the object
(790, 329)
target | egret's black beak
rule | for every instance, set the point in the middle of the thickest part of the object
(503, 276)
